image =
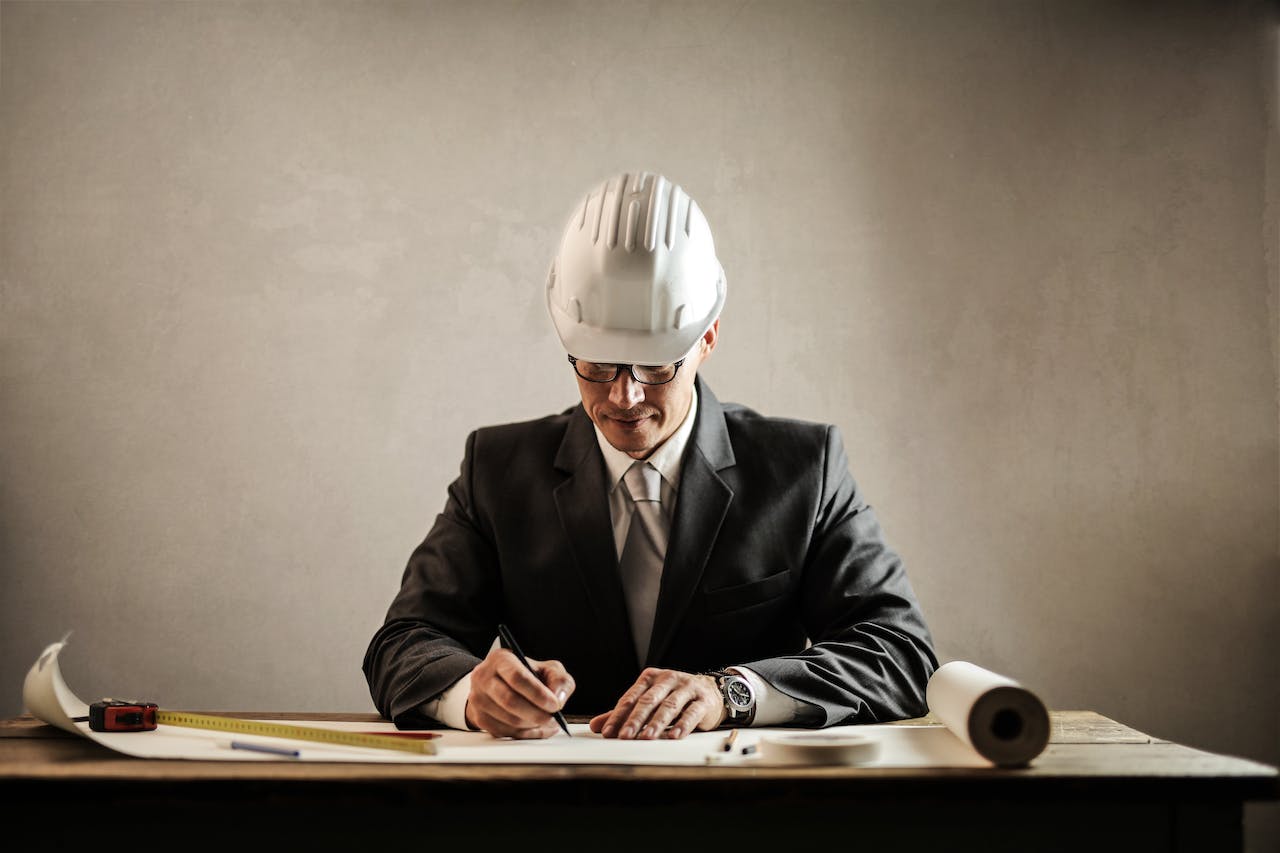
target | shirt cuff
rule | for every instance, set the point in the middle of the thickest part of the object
(450, 707)
(773, 707)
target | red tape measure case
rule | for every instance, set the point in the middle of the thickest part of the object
(111, 715)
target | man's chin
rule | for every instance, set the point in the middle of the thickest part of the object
(634, 442)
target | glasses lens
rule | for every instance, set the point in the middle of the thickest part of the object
(601, 371)
(594, 371)
(655, 375)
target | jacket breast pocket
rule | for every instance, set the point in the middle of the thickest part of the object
(744, 595)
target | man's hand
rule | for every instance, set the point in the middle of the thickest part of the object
(663, 703)
(507, 700)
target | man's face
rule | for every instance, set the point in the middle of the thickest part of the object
(636, 418)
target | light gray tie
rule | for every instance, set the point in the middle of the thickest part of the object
(642, 554)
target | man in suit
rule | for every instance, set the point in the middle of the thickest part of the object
(667, 562)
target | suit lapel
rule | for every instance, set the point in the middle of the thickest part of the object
(582, 502)
(703, 500)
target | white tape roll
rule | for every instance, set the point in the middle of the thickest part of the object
(816, 748)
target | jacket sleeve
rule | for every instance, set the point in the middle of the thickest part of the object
(440, 623)
(871, 653)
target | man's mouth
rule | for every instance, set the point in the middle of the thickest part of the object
(630, 420)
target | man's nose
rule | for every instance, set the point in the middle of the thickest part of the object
(625, 392)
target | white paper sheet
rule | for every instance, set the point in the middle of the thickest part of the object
(48, 698)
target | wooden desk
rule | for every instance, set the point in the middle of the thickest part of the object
(1098, 786)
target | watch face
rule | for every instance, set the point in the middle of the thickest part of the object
(738, 692)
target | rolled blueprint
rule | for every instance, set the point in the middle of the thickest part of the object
(1003, 721)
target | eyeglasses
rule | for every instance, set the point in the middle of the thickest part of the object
(645, 374)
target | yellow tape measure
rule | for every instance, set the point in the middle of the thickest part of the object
(293, 732)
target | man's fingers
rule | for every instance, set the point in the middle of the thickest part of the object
(547, 686)
(499, 727)
(497, 702)
(670, 701)
(686, 722)
(557, 680)
(647, 714)
(662, 703)
(509, 700)
(646, 708)
(615, 719)
(525, 682)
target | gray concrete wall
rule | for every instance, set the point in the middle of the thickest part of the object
(1023, 254)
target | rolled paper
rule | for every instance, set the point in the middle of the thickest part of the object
(1003, 721)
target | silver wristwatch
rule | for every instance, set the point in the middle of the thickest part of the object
(739, 698)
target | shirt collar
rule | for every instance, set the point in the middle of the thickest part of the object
(666, 458)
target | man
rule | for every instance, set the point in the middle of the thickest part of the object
(668, 563)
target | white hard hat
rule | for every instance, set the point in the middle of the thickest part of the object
(636, 279)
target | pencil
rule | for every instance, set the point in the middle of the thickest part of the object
(510, 642)
(728, 742)
(259, 747)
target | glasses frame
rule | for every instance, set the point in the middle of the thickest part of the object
(631, 369)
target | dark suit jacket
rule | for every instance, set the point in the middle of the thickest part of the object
(775, 562)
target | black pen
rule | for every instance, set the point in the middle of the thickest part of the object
(510, 642)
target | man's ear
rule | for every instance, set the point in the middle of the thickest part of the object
(710, 337)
